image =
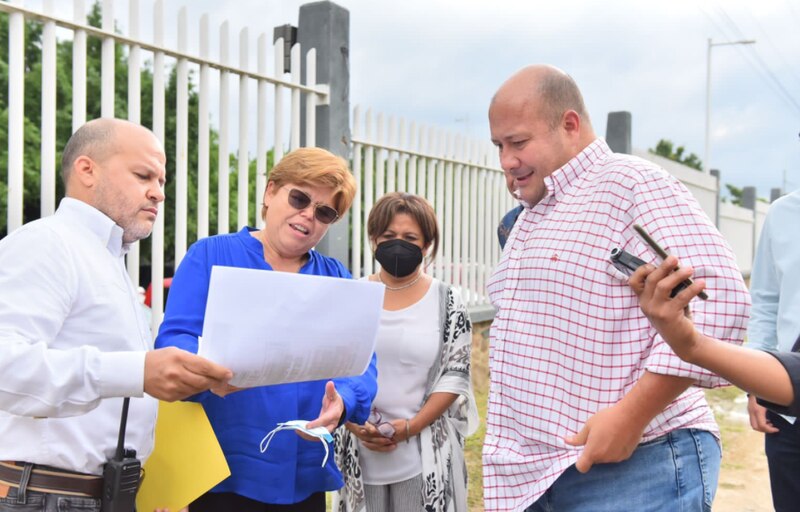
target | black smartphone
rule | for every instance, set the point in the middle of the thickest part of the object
(663, 255)
(627, 263)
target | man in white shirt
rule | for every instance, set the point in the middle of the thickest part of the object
(73, 337)
(775, 324)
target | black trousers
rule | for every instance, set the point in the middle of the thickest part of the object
(783, 457)
(231, 502)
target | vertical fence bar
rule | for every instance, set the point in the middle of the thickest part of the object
(203, 142)
(107, 73)
(294, 141)
(48, 122)
(411, 185)
(440, 204)
(380, 159)
(473, 221)
(159, 109)
(78, 67)
(402, 171)
(422, 163)
(465, 225)
(16, 117)
(134, 112)
(223, 155)
(357, 221)
(244, 107)
(261, 129)
(279, 72)
(433, 163)
(311, 99)
(181, 142)
(391, 157)
(447, 225)
(458, 223)
(368, 191)
(481, 207)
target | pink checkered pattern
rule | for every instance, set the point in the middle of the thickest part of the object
(569, 338)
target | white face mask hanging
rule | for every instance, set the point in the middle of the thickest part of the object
(320, 433)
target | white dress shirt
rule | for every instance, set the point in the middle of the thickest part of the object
(775, 281)
(72, 341)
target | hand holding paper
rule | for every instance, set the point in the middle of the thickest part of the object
(277, 327)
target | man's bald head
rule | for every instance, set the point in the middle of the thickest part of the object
(95, 139)
(552, 91)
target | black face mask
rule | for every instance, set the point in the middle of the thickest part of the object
(398, 257)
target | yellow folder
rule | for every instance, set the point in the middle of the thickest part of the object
(187, 460)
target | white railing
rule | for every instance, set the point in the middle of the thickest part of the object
(285, 90)
(461, 178)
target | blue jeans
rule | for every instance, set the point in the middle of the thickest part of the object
(676, 472)
(35, 501)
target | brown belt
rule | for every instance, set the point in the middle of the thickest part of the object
(51, 480)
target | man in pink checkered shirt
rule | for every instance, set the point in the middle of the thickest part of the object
(589, 409)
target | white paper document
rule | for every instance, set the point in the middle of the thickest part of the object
(276, 327)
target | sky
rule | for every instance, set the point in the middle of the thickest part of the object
(438, 62)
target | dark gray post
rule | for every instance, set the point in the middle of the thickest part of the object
(749, 198)
(716, 174)
(775, 193)
(619, 132)
(326, 27)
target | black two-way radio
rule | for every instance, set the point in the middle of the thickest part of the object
(121, 473)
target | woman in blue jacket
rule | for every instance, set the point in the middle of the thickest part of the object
(306, 192)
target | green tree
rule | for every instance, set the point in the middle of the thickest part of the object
(734, 193)
(665, 148)
(32, 112)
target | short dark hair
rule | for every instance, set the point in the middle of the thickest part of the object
(558, 93)
(93, 139)
(417, 207)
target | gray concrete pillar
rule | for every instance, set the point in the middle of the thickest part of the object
(326, 27)
(619, 132)
(775, 193)
(749, 198)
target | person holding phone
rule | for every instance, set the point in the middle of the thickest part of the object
(585, 396)
(744, 367)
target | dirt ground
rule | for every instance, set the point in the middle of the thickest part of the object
(744, 478)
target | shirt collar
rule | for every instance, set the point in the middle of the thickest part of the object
(98, 223)
(563, 178)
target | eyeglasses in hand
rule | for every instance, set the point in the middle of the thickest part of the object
(385, 428)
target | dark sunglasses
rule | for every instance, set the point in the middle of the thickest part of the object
(299, 200)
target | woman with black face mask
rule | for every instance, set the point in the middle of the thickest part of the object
(409, 455)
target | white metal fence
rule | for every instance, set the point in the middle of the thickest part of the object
(460, 177)
(222, 69)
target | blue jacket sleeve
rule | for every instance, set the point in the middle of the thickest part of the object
(359, 392)
(186, 305)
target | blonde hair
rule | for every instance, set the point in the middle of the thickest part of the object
(315, 167)
(417, 207)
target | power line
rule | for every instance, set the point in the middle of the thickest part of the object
(766, 73)
(765, 35)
